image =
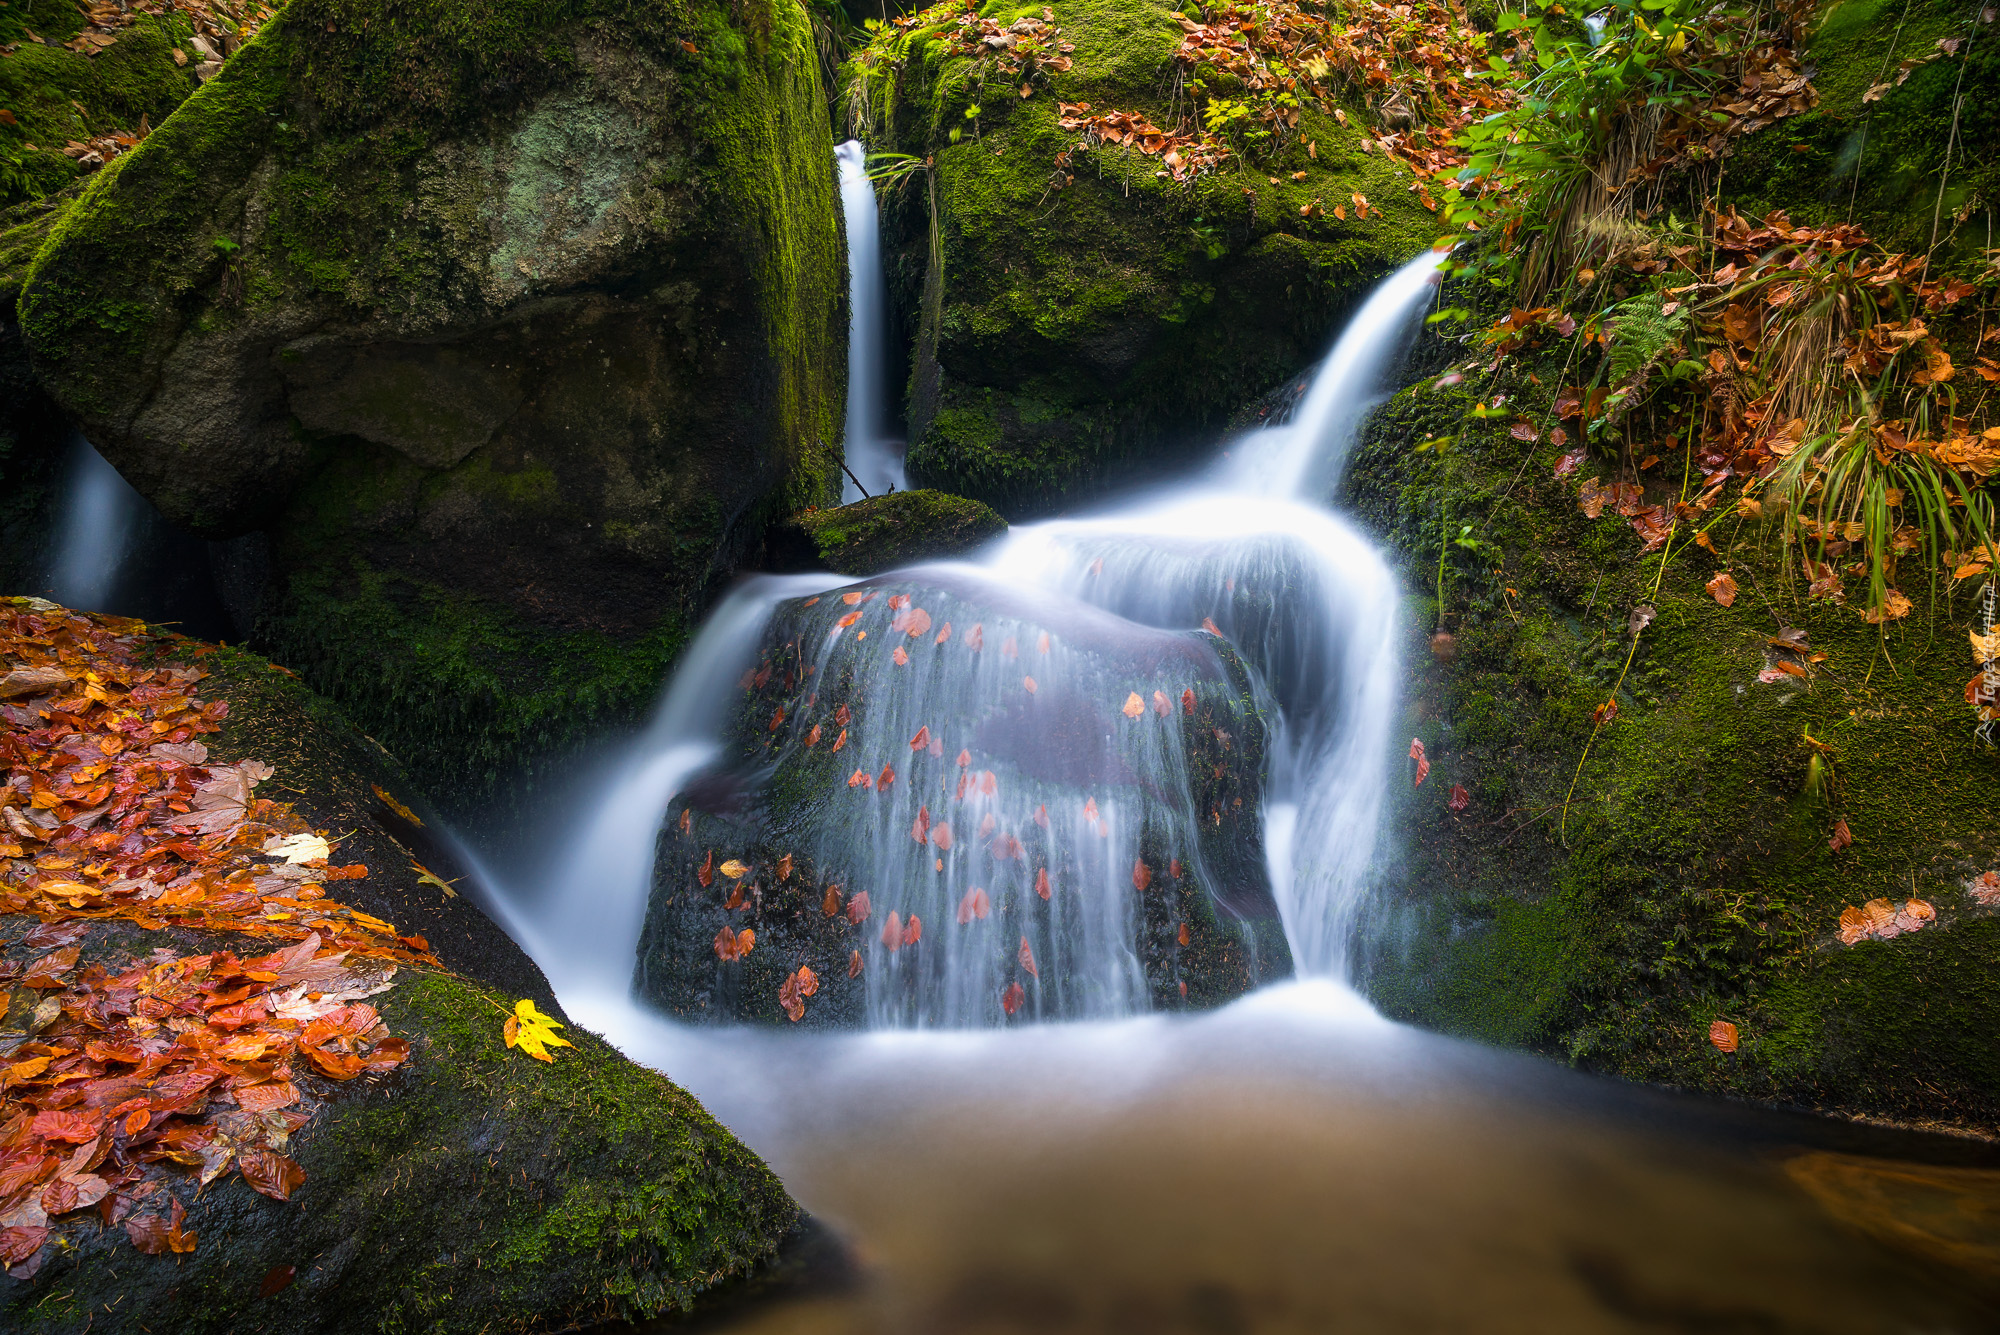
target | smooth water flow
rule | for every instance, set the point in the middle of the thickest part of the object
(872, 457)
(100, 518)
(1305, 599)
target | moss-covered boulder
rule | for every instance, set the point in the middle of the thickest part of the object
(467, 1188)
(501, 331)
(963, 805)
(902, 528)
(1656, 791)
(1075, 315)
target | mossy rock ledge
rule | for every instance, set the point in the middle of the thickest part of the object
(1086, 323)
(1606, 898)
(1009, 762)
(902, 528)
(496, 335)
(470, 1189)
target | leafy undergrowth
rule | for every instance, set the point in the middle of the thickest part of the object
(121, 1080)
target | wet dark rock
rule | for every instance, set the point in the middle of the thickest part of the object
(1179, 846)
(884, 532)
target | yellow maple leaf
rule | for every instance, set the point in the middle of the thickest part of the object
(532, 1032)
(734, 870)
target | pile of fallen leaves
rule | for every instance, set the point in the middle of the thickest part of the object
(219, 26)
(121, 1075)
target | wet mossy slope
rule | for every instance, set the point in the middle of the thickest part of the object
(497, 331)
(470, 1189)
(1082, 319)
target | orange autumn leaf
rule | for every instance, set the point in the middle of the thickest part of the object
(975, 904)
(1028, 685)
(913, 622)
(941, 836)
(1722, 588)
(986, 826)
(857, 907)
(1042, 643)
(1174, 868)
(887, 777)
(1134, 706)
(1208, 624)
(1011, 999)
(705, 873)
(1841, 837)
(920, 828)
(1187, 701)
(898, 600)
(1042, 882)
(852, 598)
(1423, 761)
(860, 779)
(913, 930)
(785, 867)
(943, 634)
(1142, 875)
(892, 931)
(687, 820)
(842, 716)
(847, 621)
(812, 737)
(829, 904)
(1042, 815)
(1027, 958)
(854, 964)
(976, 637)
(841, 740)
(988, 785)
(1090, 810)
(964, 759)
(1182, 935)
(922, 740)
(1161, 705)
(900, 658)
(1723, 1035)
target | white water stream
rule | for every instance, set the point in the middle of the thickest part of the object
(1306, 599)
(872, 457)
(101, 513)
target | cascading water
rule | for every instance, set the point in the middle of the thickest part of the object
(1304, 599)
(100, 517)
(871, 457)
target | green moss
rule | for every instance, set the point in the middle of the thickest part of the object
(1687, 875)
(57, 95)
(1084, 326)
(898, 529)
(475, 699)
(475, 1190)
(1878, 162)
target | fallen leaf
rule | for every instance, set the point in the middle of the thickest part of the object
(1605, 713)
(857, 907)
(734, 870)
(829, 903)
(1042, 882)
(973, 905)
(854, 964)
(1012, 997)
(1841, 837)
(892, 931)
(1142, 875)
(534, 1032)
(1723, 1035)
(1134, 706)
(1423, 761)
(1027, 958)
(1460, 799)
(1722, 588)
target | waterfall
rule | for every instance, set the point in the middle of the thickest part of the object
(100, 516)
(871, 457)
(1246, 549)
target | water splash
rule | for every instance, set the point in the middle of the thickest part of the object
(1304, 597)
(872, 457)
(101, 516)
